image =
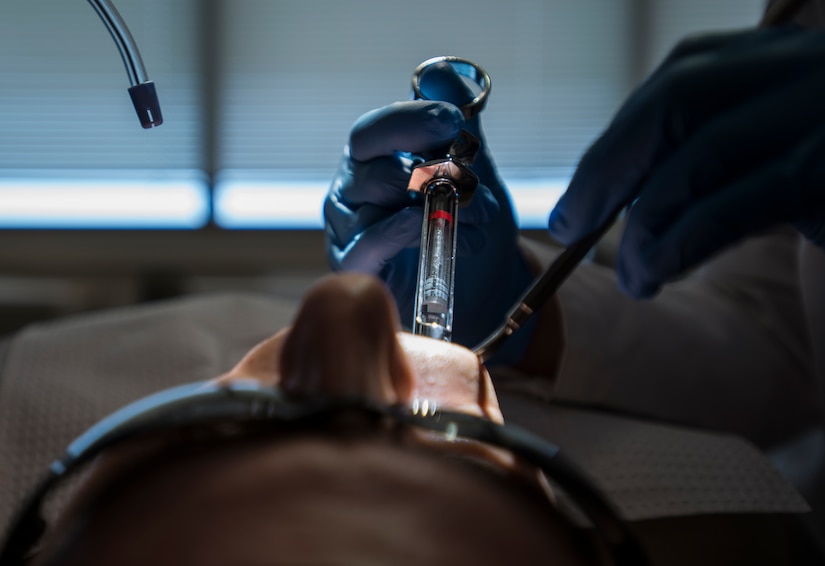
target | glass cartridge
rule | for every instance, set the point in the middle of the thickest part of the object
(436, 267)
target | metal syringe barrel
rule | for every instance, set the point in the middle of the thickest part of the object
(446, 184)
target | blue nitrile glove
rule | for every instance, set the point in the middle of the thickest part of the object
(373, 223)
(724, 140)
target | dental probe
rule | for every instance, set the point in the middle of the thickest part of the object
(549, 282)
(542, 289)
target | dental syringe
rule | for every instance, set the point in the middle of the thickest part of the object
(446, 183)
(436, 268)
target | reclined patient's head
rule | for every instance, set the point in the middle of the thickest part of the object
(342, 493)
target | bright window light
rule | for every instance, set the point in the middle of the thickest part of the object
(535, 193)
(141, 201)
(270, 202)
(296, 201)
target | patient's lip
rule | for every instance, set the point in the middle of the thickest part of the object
(343, 343)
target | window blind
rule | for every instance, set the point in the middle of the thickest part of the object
(72, 152)
(289, 77)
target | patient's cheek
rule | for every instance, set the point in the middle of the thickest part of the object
(261, 363)
(433, 374)
(449, 376)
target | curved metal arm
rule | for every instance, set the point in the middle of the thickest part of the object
(142, 91)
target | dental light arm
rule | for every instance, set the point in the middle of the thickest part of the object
(143, 94)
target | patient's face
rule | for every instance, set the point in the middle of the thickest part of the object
(345, 341)
(370, 497)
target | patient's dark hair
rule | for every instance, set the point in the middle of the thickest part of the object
(78, 539)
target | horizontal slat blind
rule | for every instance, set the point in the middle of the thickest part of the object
(292, 76)
(63, 87)
(299, 73)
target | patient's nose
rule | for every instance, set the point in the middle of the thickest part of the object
(343, 343)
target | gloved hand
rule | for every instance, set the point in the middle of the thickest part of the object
(724, 140)
(373, 224)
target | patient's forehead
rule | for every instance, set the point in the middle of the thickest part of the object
(315, 500)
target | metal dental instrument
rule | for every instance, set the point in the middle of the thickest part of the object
(542, 289)
(143, 93)
(549, 282)
(465, 69)
(447, 183)
(436, 266)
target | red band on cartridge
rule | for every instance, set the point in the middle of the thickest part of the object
(441, 214)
